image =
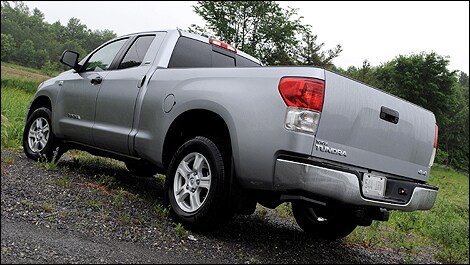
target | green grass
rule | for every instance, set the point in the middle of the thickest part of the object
(28, 85)
(445, 225)
(14, 106)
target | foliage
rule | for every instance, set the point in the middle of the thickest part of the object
(425, 80)
(8, 46)
(30, 41)
(180, 231)
(264, 30)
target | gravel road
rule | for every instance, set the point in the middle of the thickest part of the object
(97, 212)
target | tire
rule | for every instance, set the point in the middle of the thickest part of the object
(39, 141)
(198, 183)
(140, 168)
(318, 222)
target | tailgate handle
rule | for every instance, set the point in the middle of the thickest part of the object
(389, 115)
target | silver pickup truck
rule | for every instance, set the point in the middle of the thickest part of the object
(229, 133)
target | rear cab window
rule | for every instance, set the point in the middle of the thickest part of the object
(191, 53)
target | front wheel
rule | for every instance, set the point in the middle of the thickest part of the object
(38, 139)
(320, 222)
(197, 184)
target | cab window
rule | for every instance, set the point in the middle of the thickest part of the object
(101, 60)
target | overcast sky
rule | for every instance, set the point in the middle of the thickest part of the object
(376, 31)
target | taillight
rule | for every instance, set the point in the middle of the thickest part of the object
(304, 98)
(223, 45)
(304, 93)
(436, 132)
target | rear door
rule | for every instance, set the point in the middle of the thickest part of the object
(119, 91)
(366, 127)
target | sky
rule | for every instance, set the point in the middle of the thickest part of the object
(376, 31)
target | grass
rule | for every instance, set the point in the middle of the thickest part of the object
(47, 206)
(63, 182)
(445, 225)
(14, 70)
(14, 105)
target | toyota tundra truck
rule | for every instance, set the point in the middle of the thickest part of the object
(229, 133)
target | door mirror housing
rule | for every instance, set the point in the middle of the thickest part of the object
(70, 58)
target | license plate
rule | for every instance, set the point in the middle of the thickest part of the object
(373, 185)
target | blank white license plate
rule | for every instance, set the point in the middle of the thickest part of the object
(373, 185)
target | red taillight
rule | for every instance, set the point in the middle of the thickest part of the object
(303, 92)
(223, 45)
(435, 136)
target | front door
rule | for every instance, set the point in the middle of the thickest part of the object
(76, 107)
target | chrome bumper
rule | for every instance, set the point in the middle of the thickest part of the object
(340, 186)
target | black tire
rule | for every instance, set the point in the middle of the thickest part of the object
(337, 225)
(212, 207)
(39, 141)
(141, 168)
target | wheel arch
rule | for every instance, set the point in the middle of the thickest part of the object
(40, 102)
(191, 123)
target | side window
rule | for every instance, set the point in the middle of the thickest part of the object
(102, 59)
(190, 53)
(221, 60)
(244, 62)
(136, 53)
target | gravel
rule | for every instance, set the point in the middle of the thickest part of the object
(97, 212)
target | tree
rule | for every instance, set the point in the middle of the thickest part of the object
(260, 28)
(33, 42)
(425, 80)
(310, 53)
(8, 46)
(26, 53)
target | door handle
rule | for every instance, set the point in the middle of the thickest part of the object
(96, 80)
(389, 115)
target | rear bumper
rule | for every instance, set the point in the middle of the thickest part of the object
(340, 186)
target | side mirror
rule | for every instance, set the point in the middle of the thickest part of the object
(70, 58)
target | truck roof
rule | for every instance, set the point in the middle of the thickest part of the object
(196, 37)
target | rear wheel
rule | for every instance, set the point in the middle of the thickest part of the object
(318, 221)
(198, 183)
(38, 138)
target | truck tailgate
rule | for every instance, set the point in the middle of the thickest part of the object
(351, 130)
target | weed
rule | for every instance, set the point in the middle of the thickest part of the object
(4, 251)
(63, 182)
(8, 158)
(161, 211)
(106, 180)
(253, 261)
(51, 218)
(47, 206)
(180, 231)
(124, 219)
(119, 197)
(48, 165)
(28, 204)
(140, 220)
(93, 204)
(105, 214)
